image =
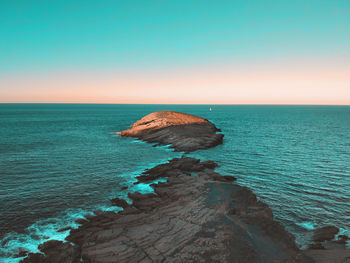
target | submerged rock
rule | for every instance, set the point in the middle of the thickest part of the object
(184, 132)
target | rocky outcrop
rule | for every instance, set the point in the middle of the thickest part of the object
(196, 216)
(327, 247)
(325, 233)
(120, 202)
(184, 132)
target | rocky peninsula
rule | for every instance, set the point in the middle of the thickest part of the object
(197, 215)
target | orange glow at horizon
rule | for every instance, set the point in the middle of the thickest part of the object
(293, 83)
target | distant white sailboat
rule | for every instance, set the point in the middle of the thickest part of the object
(210, 109)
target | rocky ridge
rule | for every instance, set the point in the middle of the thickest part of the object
(196, 216)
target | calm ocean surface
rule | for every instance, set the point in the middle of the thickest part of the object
(61, 161)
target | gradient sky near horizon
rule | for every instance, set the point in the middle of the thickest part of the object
(196, 52)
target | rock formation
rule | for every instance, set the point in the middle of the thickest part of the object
(198, 215)
(325, 233)
(184, 132)
(327, 248)
(195, 217)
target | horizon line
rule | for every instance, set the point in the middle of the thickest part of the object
(198, 104)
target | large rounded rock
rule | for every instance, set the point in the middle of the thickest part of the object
(184, 132)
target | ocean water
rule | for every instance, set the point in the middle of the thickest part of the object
(61, 161)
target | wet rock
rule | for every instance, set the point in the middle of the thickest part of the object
(54, 252)
(174, 168)
(325, 233)
(64, 229)
(21, 253)
(35, 258)
(80, 221)
(98, 212)
(119, 202)
(316, 246)
(209, 164)
(222, 178)
(344, 237)
(129, 210)
(89, 216)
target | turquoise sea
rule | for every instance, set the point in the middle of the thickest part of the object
(61, 161)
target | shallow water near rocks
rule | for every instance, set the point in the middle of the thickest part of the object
(61, 161)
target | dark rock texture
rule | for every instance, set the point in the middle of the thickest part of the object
(195, 217)
(64, 229)
(326, 249)
(331, 255)
(325, 233)
(120, 202)
(184, 132)
(54, 252)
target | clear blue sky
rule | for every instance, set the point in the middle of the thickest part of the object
(40, 36)
(72, 33)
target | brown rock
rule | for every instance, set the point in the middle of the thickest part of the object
(21, 253)
(316, 246)
(64, 229)
(80, 221)
(119, 202)
(188, 219)
(343, 237)
(333, 255)
(54, 252)
(325, 233)
(161, 119)
(222, 178)
(183, 131)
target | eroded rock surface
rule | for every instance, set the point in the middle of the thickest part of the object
(184, 132)
(195, 217)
